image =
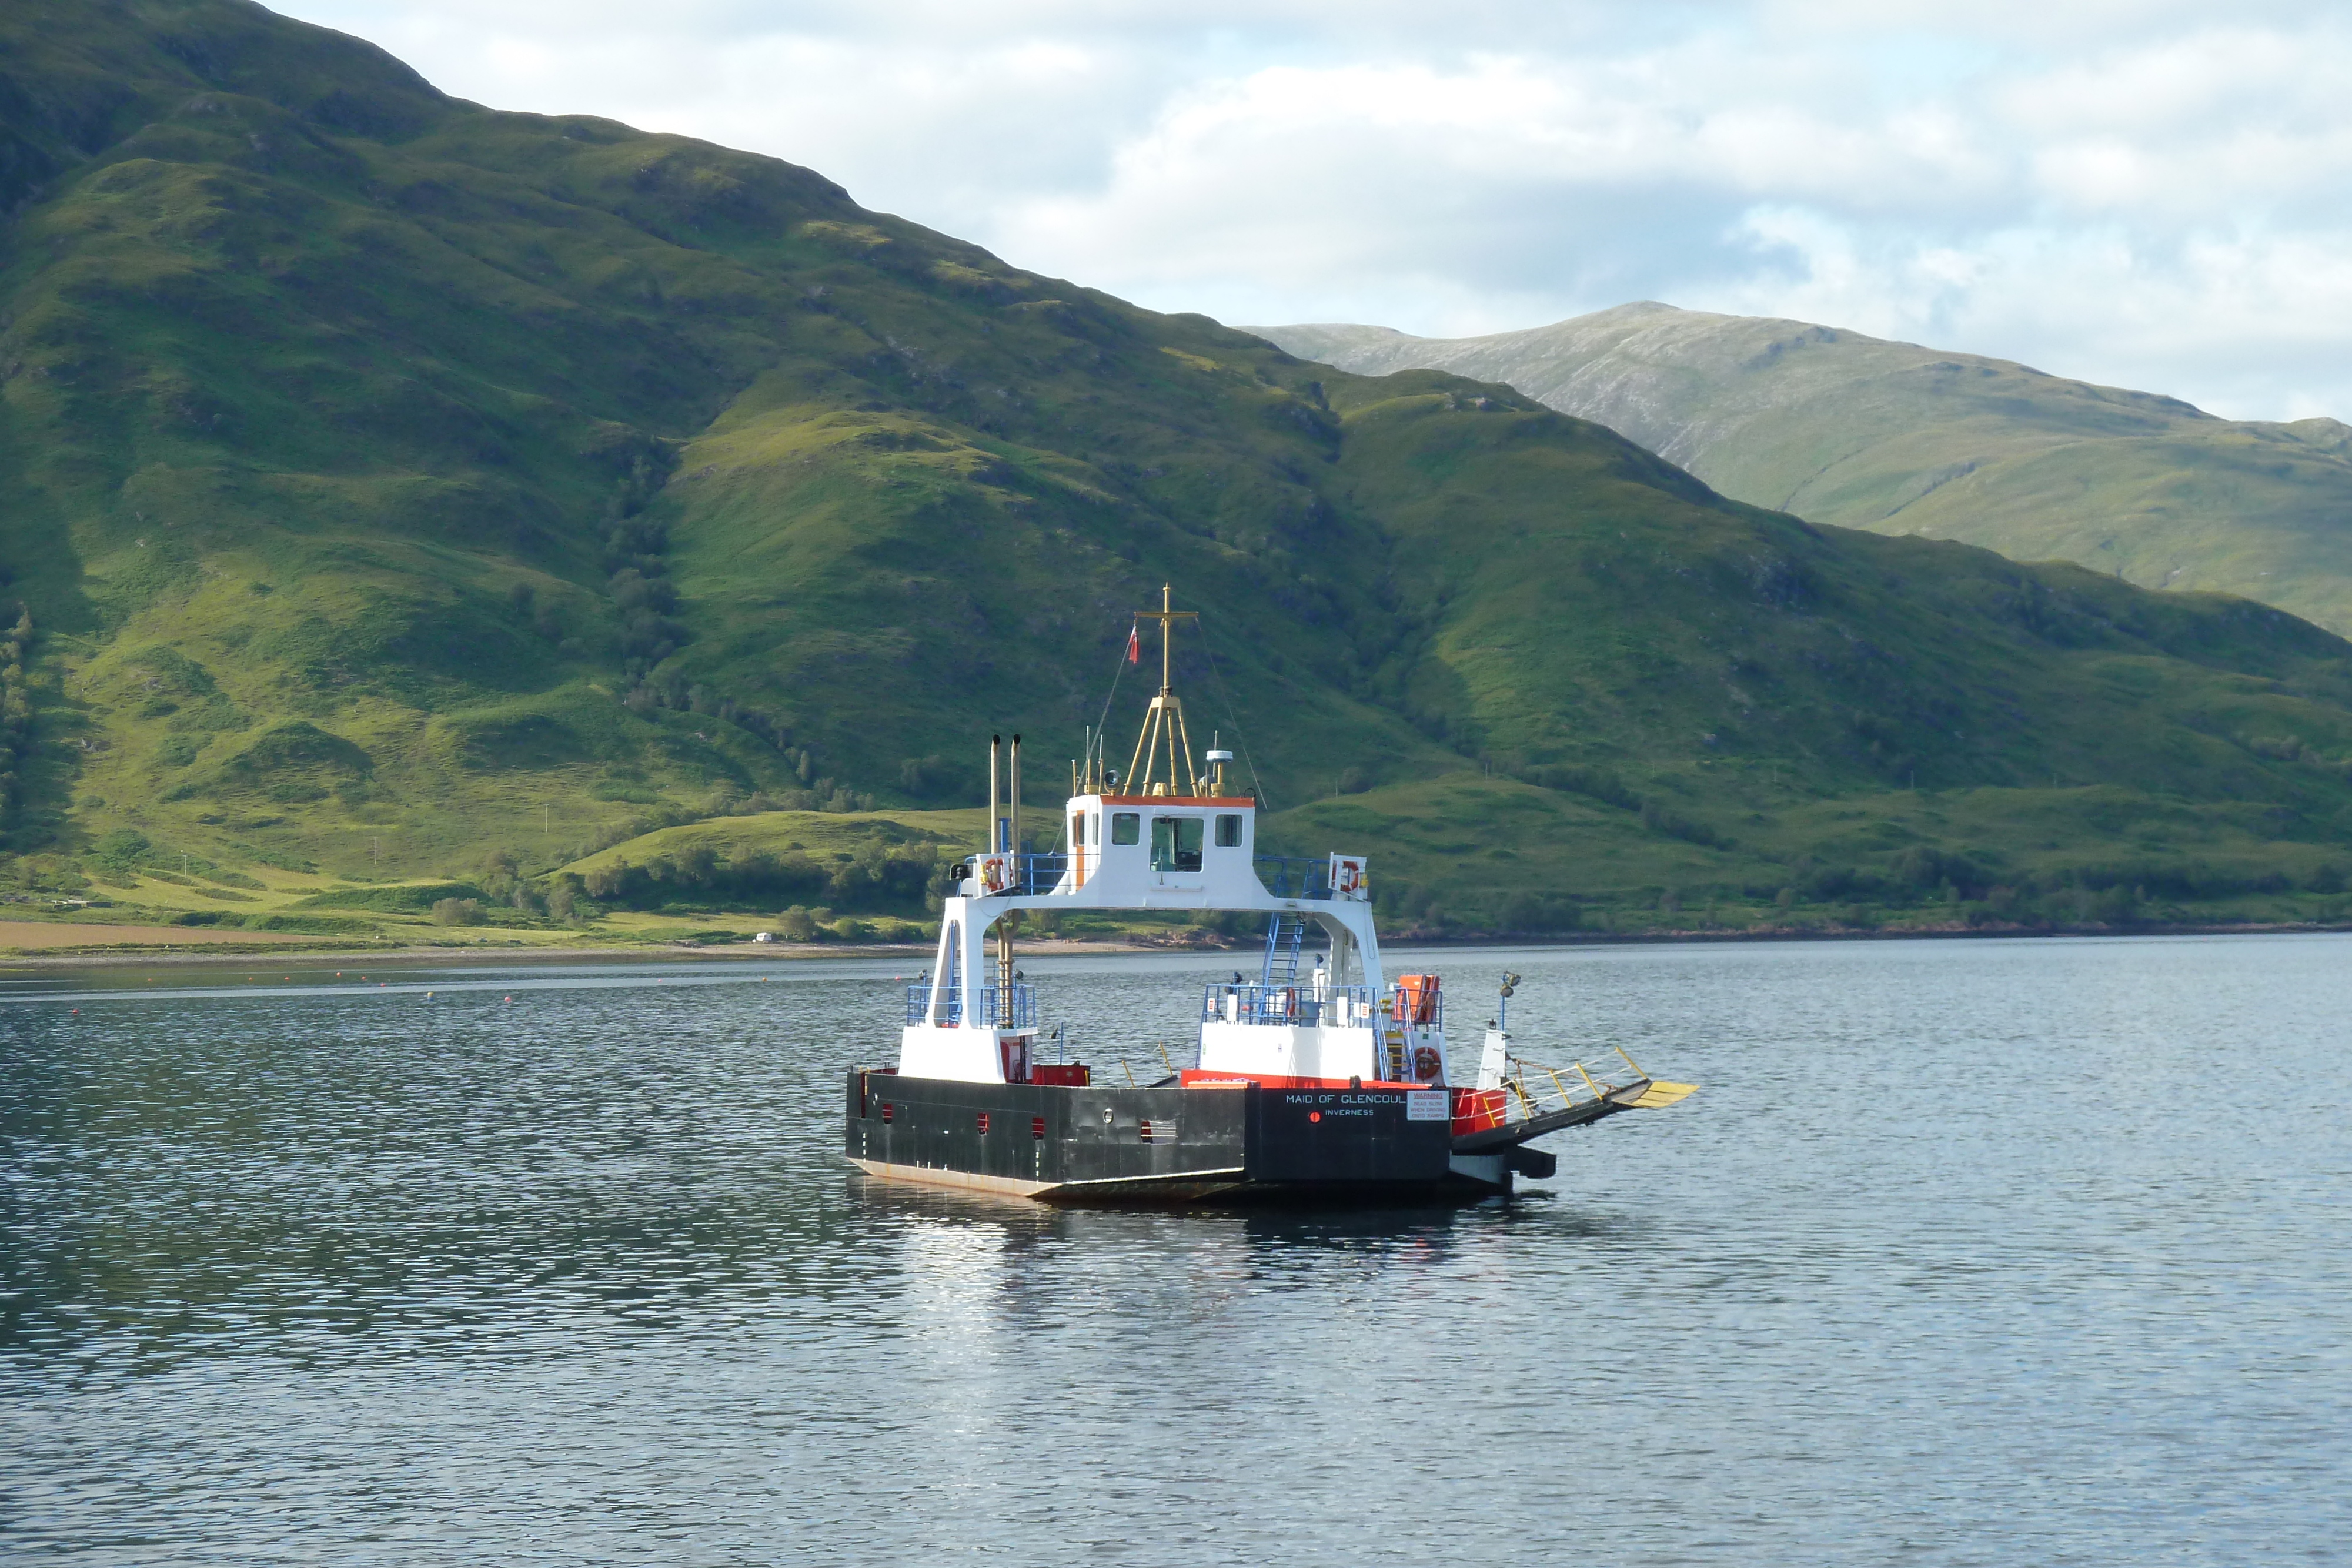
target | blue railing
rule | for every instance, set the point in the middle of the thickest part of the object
(1251, 1002)
(996, 1010)
(1292, 876)
(1345, 1005)
(1021, 1014)
(1039, 874)
(1032, 877)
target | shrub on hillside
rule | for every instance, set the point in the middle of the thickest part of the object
(877, 877)
(16, 707)
(120, 850)
(502, 881)
(567, 899)
(457, 912)
(925, 778)
(1545, 912)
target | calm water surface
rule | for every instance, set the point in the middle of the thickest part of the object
(1989, 1253)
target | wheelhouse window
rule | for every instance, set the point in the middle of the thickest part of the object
(1077, 830)
(1176, 843)
(1123, 825)
(1229, 831)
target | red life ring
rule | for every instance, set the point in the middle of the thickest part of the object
(1426, 1064)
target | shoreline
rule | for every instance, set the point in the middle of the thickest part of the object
(228, 955)
(120, 956)
(1862, 934)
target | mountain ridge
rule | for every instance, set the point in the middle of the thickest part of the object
(1844, 428)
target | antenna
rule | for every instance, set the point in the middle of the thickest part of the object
(1163, 724)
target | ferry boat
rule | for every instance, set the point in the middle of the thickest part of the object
(1331, 1082)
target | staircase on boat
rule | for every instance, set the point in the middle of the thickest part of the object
(1282, 939)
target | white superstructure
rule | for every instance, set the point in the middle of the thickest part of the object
(1172, 837)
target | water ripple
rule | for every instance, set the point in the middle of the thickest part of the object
(2007, 1253)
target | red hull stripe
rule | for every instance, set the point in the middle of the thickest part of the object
(1196, 1078)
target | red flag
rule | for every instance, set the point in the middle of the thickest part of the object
(1134, 647)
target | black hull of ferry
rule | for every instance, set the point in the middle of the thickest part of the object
(1099, 1144)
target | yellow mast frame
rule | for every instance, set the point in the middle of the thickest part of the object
(1163, 725)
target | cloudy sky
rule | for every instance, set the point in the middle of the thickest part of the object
(2155, 194)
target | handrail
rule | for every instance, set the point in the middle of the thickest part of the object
(994, 1011)
(1033, 875)
(1532, 1088)
(1039, 874)
(1342, 1007)
(1294, 876)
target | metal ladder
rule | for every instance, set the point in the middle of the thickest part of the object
(1283, 939)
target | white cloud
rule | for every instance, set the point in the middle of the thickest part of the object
(2128, 191)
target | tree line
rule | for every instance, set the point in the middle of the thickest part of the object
(15, 714)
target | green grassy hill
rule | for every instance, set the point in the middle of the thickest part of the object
(398, 489)
(1842, 428)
